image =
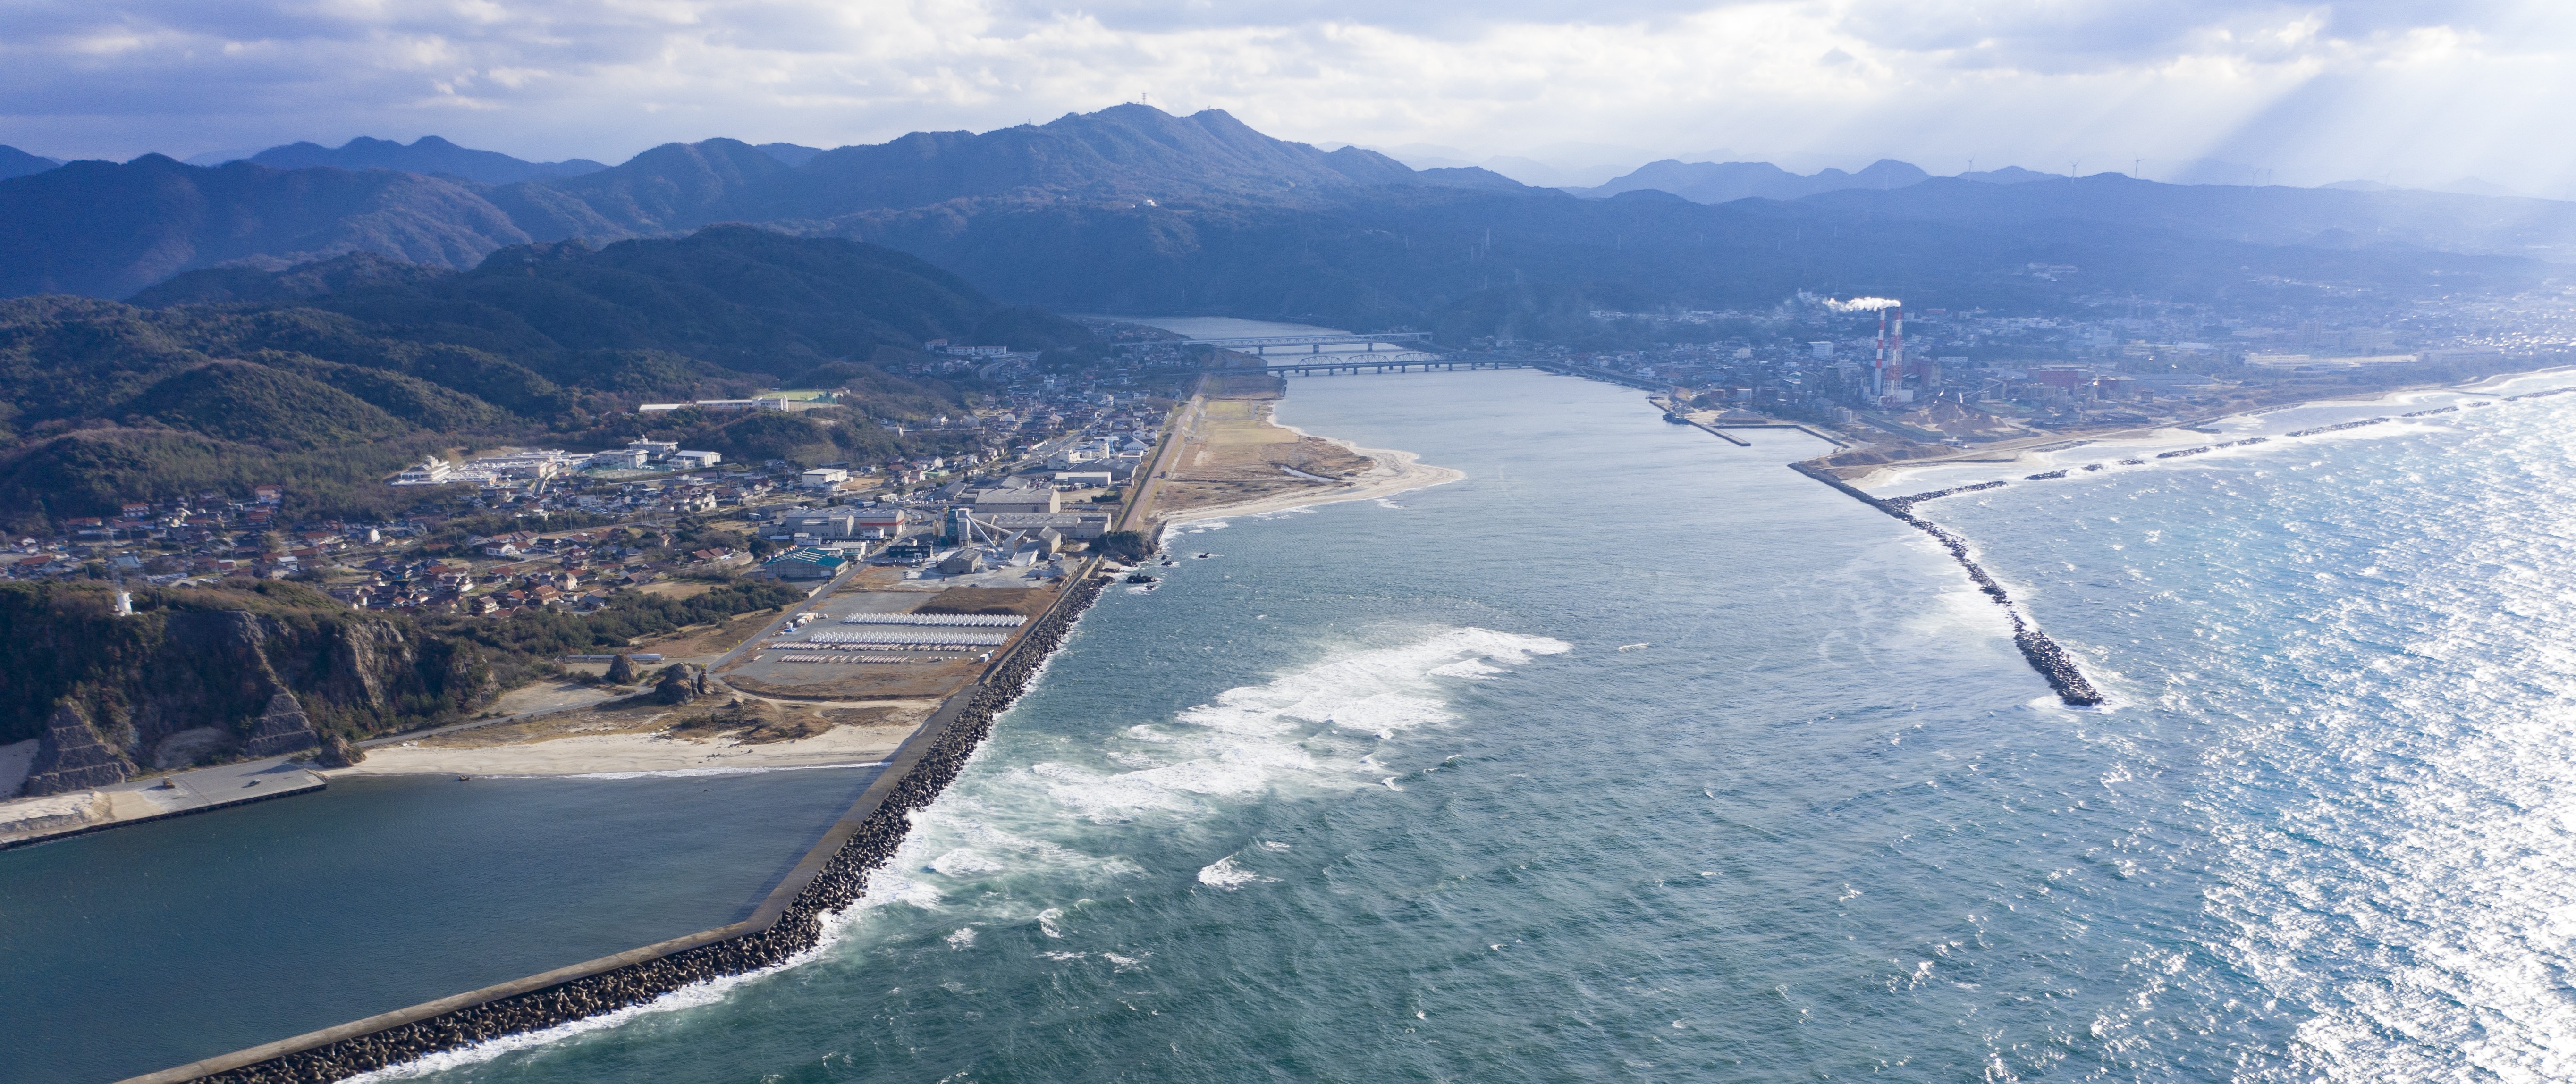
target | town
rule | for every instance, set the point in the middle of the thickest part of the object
(1050, 455)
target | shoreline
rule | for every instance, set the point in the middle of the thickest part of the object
(789, 922)
(2052, 662)
(624, 754)
(1393, 471)
(2027, 453)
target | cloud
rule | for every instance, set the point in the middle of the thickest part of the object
(2315, 92)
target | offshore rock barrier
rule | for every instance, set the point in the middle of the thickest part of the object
(2338, 428)
(799, 928)
(1905, 503)
(2043, 654)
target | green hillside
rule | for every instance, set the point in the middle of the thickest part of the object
(330, 375)
(253, 403)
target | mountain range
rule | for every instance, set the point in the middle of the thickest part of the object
(1134, 209)
(428, 154)
(1724, 182)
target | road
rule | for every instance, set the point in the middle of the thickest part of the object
(1141, 503)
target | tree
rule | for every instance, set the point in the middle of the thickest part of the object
(1126, 545)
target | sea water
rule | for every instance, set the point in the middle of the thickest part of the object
(149, 946)
(1637, 756)
(1372, 791)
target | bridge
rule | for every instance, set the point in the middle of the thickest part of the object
(1314, 344)
(1404, 362)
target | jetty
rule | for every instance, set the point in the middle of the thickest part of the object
(29, 821)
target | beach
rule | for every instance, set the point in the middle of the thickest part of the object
(2016, 462)
(1243, 461)
(1391, 471)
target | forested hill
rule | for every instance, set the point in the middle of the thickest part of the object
(328, 376)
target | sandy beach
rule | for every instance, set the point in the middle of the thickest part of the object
(711, 735)
(618, 754)
(2206, 441)
(1392, 471)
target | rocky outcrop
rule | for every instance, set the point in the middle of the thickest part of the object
(621, 670)
(212, 664)
(281, 729)
(338, 752)
(682, 683)
(72, 756)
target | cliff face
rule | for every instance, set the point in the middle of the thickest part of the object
(73, 757)
(213, 674)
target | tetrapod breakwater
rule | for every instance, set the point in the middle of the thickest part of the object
(830, 878)
(2050, 660)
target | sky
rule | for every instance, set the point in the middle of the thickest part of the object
(2398, 91)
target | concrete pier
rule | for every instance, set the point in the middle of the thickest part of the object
(178, 794)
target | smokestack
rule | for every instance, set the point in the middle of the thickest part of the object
(1896, 345)
(1878, 372)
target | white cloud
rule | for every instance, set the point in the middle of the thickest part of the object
(2319, 91)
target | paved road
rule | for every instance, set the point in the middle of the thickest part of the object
(1142, 503)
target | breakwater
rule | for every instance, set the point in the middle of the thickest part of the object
(2337, 428)
(831, 877)
(2043, 654)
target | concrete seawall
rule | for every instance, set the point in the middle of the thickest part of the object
(186, 805)
(2050, 660)
(790, 921)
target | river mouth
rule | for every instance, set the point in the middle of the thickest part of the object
(1634, 754)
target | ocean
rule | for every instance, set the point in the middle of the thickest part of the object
(1637, 756)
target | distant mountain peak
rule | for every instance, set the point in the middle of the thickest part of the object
(427, 155)
(1721, 182)
(18, 163)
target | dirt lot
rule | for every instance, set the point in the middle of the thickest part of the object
(855, 681)
(677, 588)
(703, 642)
(1026, 602)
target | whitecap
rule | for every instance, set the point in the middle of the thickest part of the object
(1223, 873)
(963, 862)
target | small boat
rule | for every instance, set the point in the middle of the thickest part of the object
(1205, 556)
(1634, 647)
